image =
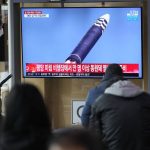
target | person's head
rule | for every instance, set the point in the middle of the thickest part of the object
(26, 117)
(73, 139)
(1, 21)
(113, 70)
(1, 29)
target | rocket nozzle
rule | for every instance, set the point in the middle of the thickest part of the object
(70, 62)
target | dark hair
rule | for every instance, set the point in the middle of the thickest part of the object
(26, 124)
(75, 137)
(1, 21)
(114, 69)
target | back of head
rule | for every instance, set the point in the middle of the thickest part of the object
(113, 70)
(73, 139)
(26, 119)
(0, 21)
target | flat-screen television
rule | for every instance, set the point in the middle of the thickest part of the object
(81, 42)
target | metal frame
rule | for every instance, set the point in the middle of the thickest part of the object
(14, 52)
(148, 19)
(47, 1)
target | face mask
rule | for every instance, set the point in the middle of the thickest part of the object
(1, 32)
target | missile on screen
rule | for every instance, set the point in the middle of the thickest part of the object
(89, 40)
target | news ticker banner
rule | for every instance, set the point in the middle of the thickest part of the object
(49, 69)
(35, 14)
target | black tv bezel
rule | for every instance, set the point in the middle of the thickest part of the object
(82, 77)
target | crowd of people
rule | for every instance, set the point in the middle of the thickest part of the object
(116, 117)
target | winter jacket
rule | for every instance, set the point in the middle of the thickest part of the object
(24, 141)
(93, 94)
(121, 117)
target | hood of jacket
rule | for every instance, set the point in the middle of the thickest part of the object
(124, 88)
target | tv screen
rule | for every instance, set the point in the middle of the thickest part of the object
(81, 42)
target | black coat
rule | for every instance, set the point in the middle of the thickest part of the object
(122, 122)
(93, 94)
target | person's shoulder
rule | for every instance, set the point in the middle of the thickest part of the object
(101, 102)
(146, 95)
(101, 99)
(105, 99)
(100, 87)
(144, 99)
(93, 90)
